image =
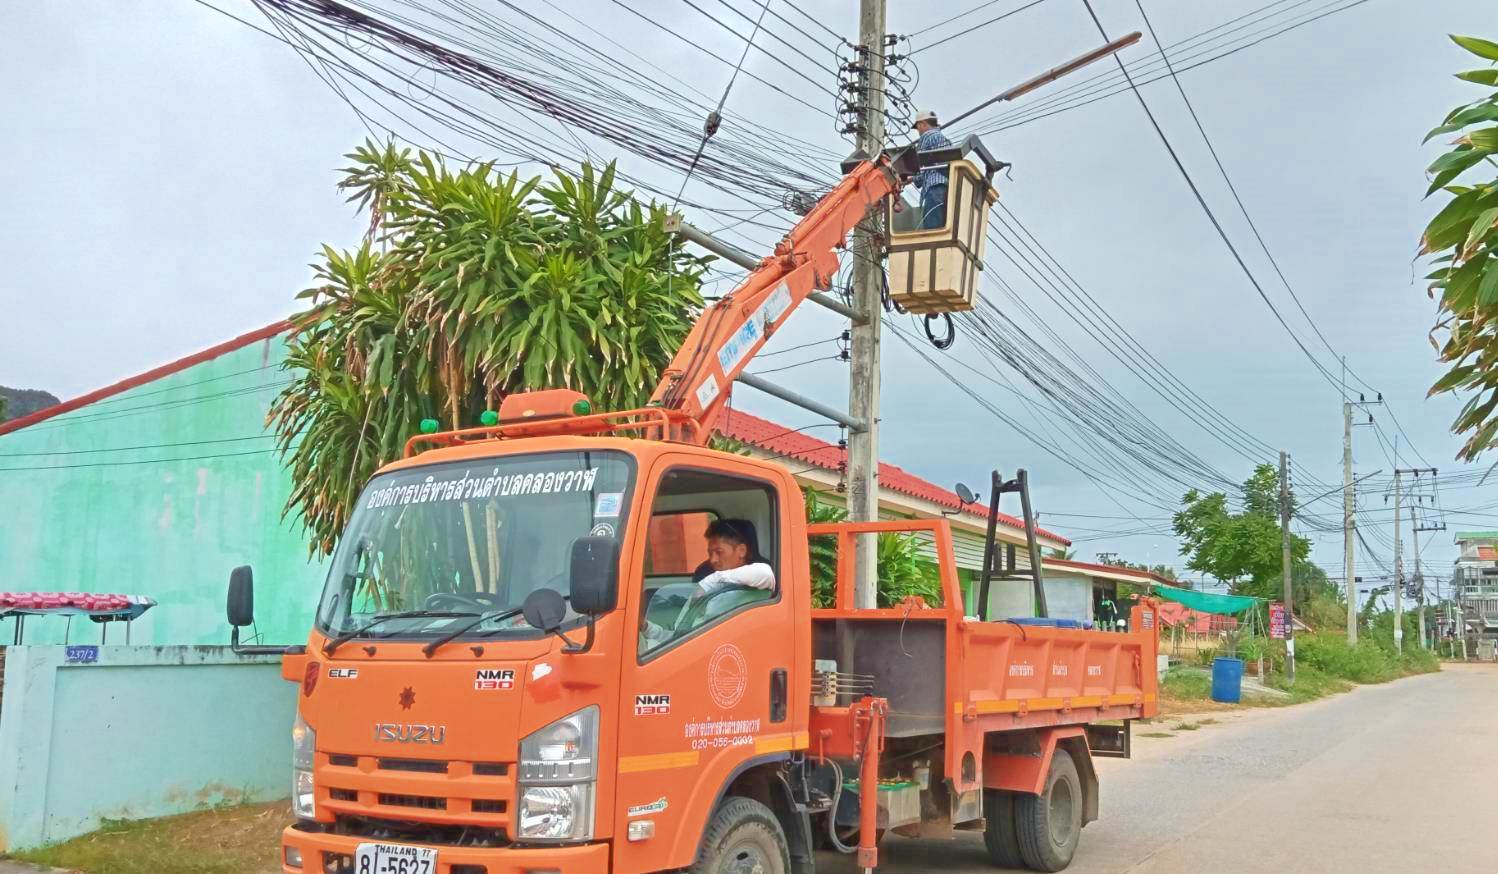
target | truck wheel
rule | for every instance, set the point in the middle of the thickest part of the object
(999, 833)
(1050, 824)
(744, 837)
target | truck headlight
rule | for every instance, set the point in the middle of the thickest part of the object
(558, 770)
(303, 744)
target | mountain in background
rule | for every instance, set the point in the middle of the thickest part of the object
(18, 402)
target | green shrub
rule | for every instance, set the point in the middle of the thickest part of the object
(1372, 661)
(1251, 649)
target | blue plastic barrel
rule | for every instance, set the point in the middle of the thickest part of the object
(1227, 680)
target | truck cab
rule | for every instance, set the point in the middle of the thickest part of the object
(588, 746)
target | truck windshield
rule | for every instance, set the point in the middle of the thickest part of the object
(468, 538)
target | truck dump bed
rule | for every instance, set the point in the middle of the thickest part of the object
(946, 674)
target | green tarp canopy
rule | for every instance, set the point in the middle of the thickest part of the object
(1206, 602)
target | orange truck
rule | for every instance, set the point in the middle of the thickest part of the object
(509, 672)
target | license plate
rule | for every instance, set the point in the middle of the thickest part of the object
(394, 859)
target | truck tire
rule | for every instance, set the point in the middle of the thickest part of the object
(744, 837)
(999, 833)
(1050, 824)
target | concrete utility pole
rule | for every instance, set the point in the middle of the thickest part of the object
(1398, 573)
(863, 386)
(1285, 566)
(1347, 560)
(1419, 580)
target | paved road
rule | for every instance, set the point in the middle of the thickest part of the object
(1393, 778)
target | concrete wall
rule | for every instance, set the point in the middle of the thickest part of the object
(85, 510)
(139, 731)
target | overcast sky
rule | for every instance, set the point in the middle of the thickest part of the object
(169, 173)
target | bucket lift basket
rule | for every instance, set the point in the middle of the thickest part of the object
(935, 270)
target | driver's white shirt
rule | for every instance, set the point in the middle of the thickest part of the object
(754, 576)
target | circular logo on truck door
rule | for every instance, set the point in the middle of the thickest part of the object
(727, 675)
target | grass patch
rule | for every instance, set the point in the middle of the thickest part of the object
(1186, 686)
(1156, 734)
(228, 840)
(1185, 726)
(1310, 683)
(1208, 721)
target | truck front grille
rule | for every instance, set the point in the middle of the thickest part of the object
(420, 793)
(425, 802)
(422, 766)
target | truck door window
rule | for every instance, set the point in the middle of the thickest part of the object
(682, 594)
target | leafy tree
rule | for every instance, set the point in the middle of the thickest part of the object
(1462, 239)
(1242, 548)
(1061, 554)
(469, 285)
(18, 402)
(902, 569)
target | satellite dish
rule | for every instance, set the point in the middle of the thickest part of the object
(965, 494)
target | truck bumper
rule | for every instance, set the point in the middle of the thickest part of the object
(326, 854)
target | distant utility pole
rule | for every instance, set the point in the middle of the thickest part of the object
(1398, 573)
(863, 385)
(1285, 566)
(1347, 565)
(1348, 523)
(1399, 586)
(1420, 577)
(1417, 579)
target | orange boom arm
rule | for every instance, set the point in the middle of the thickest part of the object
(730, 332)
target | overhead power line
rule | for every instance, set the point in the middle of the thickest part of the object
(1211, 216)
(1192, 52)
(969, 30)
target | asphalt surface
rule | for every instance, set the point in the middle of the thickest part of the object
(1391, 778)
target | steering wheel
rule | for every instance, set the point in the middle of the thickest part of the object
(696, 609)
(460, 600)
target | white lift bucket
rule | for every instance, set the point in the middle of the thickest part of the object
(936, 270)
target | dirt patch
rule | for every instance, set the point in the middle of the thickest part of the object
(227, 840)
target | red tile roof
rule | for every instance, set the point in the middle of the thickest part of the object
(789, 443)
(1487, 553)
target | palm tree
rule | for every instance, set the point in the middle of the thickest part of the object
(469, 285)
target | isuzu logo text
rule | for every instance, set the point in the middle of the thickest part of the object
(399, 733)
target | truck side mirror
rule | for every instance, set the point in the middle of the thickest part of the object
(241, 603)
(594, 575)
(544, 609)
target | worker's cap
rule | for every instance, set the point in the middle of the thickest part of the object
(928, 115)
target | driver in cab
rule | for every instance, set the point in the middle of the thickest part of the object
(733, 562)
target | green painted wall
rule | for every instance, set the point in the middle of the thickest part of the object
(160, 491)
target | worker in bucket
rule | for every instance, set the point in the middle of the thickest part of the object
(932, 181)
(733, 562)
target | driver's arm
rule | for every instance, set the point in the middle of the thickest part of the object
(753, 576)
(654, 634)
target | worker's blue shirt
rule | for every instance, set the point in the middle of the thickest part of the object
(932, 139)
